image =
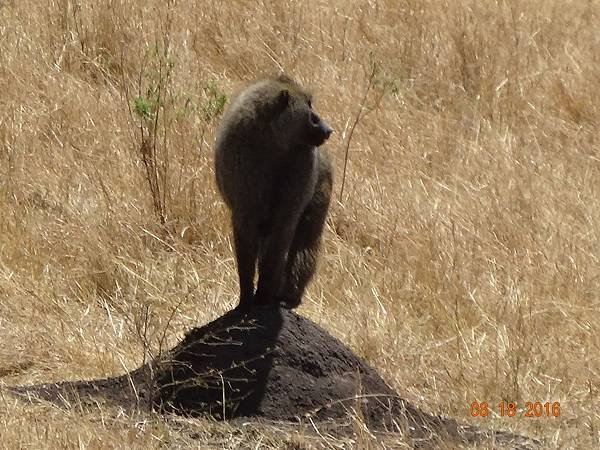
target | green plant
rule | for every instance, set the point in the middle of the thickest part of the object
(215, 101)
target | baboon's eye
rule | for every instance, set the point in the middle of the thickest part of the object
(314, 119)
(309, 104)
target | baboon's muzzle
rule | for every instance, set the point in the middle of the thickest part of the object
(319, 130)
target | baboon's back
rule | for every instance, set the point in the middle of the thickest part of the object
(240, 137)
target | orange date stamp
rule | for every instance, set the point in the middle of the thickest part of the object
(511, 409)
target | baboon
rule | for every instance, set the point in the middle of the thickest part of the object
(277, 183)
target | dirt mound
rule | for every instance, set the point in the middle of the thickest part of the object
(269, 363)
(273, 364)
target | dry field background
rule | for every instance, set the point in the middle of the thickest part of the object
(461, 260)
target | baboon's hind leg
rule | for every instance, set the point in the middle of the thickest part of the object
(303, 254)
(246, 249)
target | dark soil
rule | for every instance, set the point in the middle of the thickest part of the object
(271, 364)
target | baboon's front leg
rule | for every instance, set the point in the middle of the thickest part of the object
(294, 190)
(303, 254)
(273, 263)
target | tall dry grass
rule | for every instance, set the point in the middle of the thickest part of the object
(461, 260)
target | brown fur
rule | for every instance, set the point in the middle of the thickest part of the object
(277, 183)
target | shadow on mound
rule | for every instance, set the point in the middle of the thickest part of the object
(271, 364)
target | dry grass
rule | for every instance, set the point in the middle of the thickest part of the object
(462, 260)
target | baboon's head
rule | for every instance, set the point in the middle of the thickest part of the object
(294, 119)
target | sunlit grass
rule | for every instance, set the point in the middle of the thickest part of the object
(461, 261)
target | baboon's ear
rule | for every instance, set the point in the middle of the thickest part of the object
(284, 98)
